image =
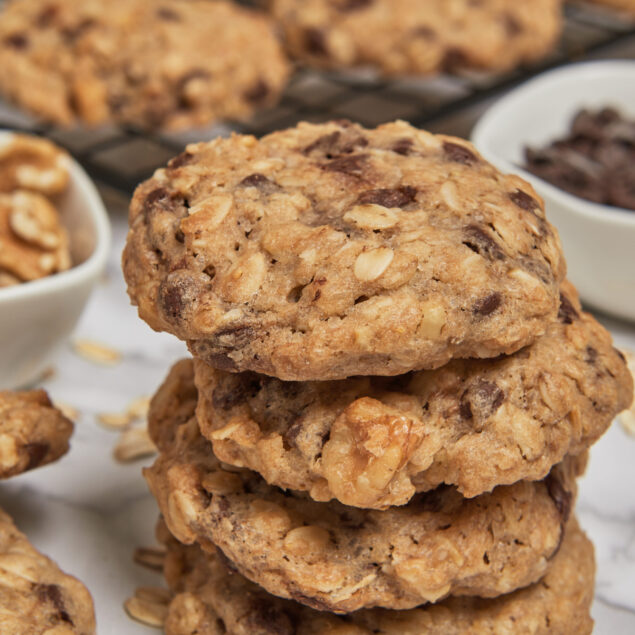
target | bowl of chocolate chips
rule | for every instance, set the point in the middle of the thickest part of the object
(571, 133)
(54, 241)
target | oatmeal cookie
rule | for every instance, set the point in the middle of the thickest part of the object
(32, 431)
(337, 558)
(33, 241)
(154, 64)
(34, 164)
(373, 442)
(36, 597)
(412, 37)
(326, 251)
(213, 599)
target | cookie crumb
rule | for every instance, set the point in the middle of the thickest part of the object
(96, 352)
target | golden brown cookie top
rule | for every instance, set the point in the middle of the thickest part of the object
(326, 251)
(36, 597)
(32, 431)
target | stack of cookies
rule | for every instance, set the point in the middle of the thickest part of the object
(392, 393)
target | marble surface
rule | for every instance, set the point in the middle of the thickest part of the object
(89, 512)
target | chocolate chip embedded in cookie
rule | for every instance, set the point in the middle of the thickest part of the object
(36, 597)
(152, 64)
(337, 558)
(212, 599)
(412, 37)
(374, 442)
(32, 431)
(326, 251)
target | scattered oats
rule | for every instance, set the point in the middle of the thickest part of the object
(150, 557)
(627, 418)
(48, 373)
(96, 352)
(147, 613)
(67, 410)
(133, 444)
(154, 594)
(138, 408)
(114, 419)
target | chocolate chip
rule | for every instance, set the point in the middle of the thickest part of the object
(353, 5)
(258, 92)
(235, 390)
(17, 41)
(524, 201)
(353, 165)
(479, 241)
(221, 361)
(315, 42)
(168, 14)
(480, 400)
(425, 32)
(180, 160)
(52, 593)
(560, 496)
(257, 180)
(325, 143)
(567, 313)
(488, 304)
(453, 60)
(591, 355)
(395, 197)
(180, 292)
(37, 452)
(158, 194)
(235, 336)
(289, 438)
(459, 153)
(403, 146)
(512, 25)
(266, 617)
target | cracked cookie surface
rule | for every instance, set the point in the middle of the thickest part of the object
(32, 431)
(166, 64)
(326, 251)
(36, 597)
(213, 599)
(374, 442)
(413, 37)
(338, 558)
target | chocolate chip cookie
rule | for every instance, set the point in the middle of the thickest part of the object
(413, 37)
(166, 64)
(36, 597)
(341, 559)
(326, 251)
(374, 442)
(213, 599)
(32, 431)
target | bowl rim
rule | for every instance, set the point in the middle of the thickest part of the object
(88, 269)
(517, 97)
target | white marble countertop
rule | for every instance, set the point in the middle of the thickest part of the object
(89, 512)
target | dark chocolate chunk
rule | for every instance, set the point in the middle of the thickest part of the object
(258, 92)
(53, 594)
(256, 180)
(353, 165)
(488, 304)
(403, 146)
(37, 452)
(326, 143)
(395, 197)
(315, 42)
(479, 241)
(524, 201)
(18, 41)
(268, 618)
(167, 14)
(180, 160)
(459, 153)
(567, 313)
(560, 496)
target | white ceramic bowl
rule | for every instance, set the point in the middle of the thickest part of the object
(599, 241)
(37, 317)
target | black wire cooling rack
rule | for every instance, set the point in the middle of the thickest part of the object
(121, 157)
